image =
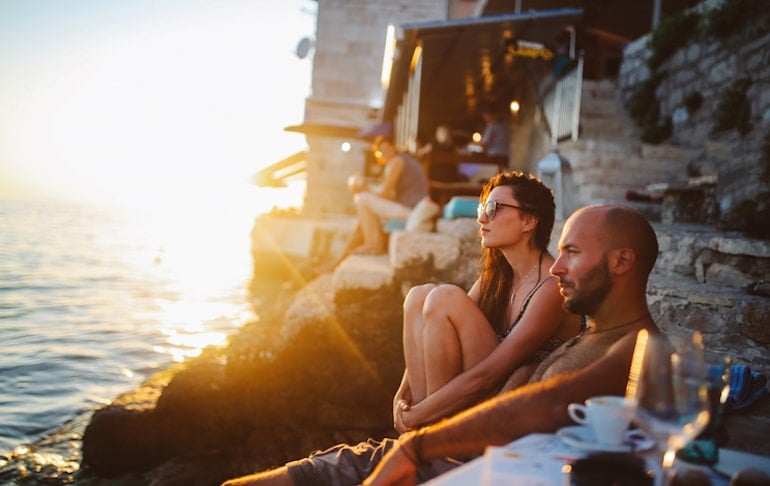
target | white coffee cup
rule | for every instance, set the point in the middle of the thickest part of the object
(608, 417)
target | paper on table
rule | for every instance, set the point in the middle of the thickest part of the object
(521, 462)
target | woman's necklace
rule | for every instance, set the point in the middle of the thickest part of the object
(575, 339)
(521, 282)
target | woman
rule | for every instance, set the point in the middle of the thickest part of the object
(462, 348)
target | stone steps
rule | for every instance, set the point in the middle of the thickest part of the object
(702, 253)
(609, 159)
(598, 127)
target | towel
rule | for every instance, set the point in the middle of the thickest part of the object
(746, 388)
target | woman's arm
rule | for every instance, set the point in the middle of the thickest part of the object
(540, 322)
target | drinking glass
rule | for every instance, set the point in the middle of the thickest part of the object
(668, 387)
(704, 449)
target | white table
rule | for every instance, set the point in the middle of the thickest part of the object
(538, 459)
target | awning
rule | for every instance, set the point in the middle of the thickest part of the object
(466, 61)
(374, 130)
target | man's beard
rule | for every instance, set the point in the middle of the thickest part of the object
(591, 290)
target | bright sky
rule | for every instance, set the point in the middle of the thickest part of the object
(136, 102)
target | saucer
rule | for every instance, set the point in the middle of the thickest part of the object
(582, 437)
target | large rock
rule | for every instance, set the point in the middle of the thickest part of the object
(325, 374)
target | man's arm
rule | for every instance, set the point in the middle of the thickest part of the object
(539, 407)
(390, 178)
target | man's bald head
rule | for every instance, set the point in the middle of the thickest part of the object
(620, 226)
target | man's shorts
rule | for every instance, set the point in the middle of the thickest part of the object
(343, 464)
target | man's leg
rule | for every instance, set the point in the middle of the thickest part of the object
(370, 224)
(340, 464)
(274, 477)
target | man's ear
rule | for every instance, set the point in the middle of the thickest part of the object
(621, 260)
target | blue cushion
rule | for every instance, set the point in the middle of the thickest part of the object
(392, 225)
(461, 207)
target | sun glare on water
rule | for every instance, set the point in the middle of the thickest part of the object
(202, 248)
(167, 109)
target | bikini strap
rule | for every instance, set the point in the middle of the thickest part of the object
(523, 307)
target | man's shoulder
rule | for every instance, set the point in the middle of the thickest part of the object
(406, 156)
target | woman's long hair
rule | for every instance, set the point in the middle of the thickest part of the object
(496, 275)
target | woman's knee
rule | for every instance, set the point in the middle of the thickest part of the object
(442, 298)
(415, 298)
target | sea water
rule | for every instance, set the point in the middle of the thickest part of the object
(93, 300)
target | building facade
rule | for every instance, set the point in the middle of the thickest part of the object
(347, 90)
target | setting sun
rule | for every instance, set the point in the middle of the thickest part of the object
(145, 105)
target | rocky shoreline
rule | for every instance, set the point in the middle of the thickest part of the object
(297, 379)
(302, 377)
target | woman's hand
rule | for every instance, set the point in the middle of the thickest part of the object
(402, 401)
(399, 408)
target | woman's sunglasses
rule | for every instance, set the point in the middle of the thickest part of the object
(490, 209)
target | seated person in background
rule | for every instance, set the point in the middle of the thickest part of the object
(496, 139)
(606, 254)
(494, 144)
(441, 143)
(441, 156)
(403, 186)
(459, 347)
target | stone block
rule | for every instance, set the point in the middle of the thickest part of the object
(271, 235)
(727, 275)
(694, 52)
(756, 326)
(722, 73)
(709, 299)
(409, 248)
(732, 323)
(689, 205)
(461, 228)
(364, 272)
(740, 246)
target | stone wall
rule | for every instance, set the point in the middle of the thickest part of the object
(708, 66)
(346, 87)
